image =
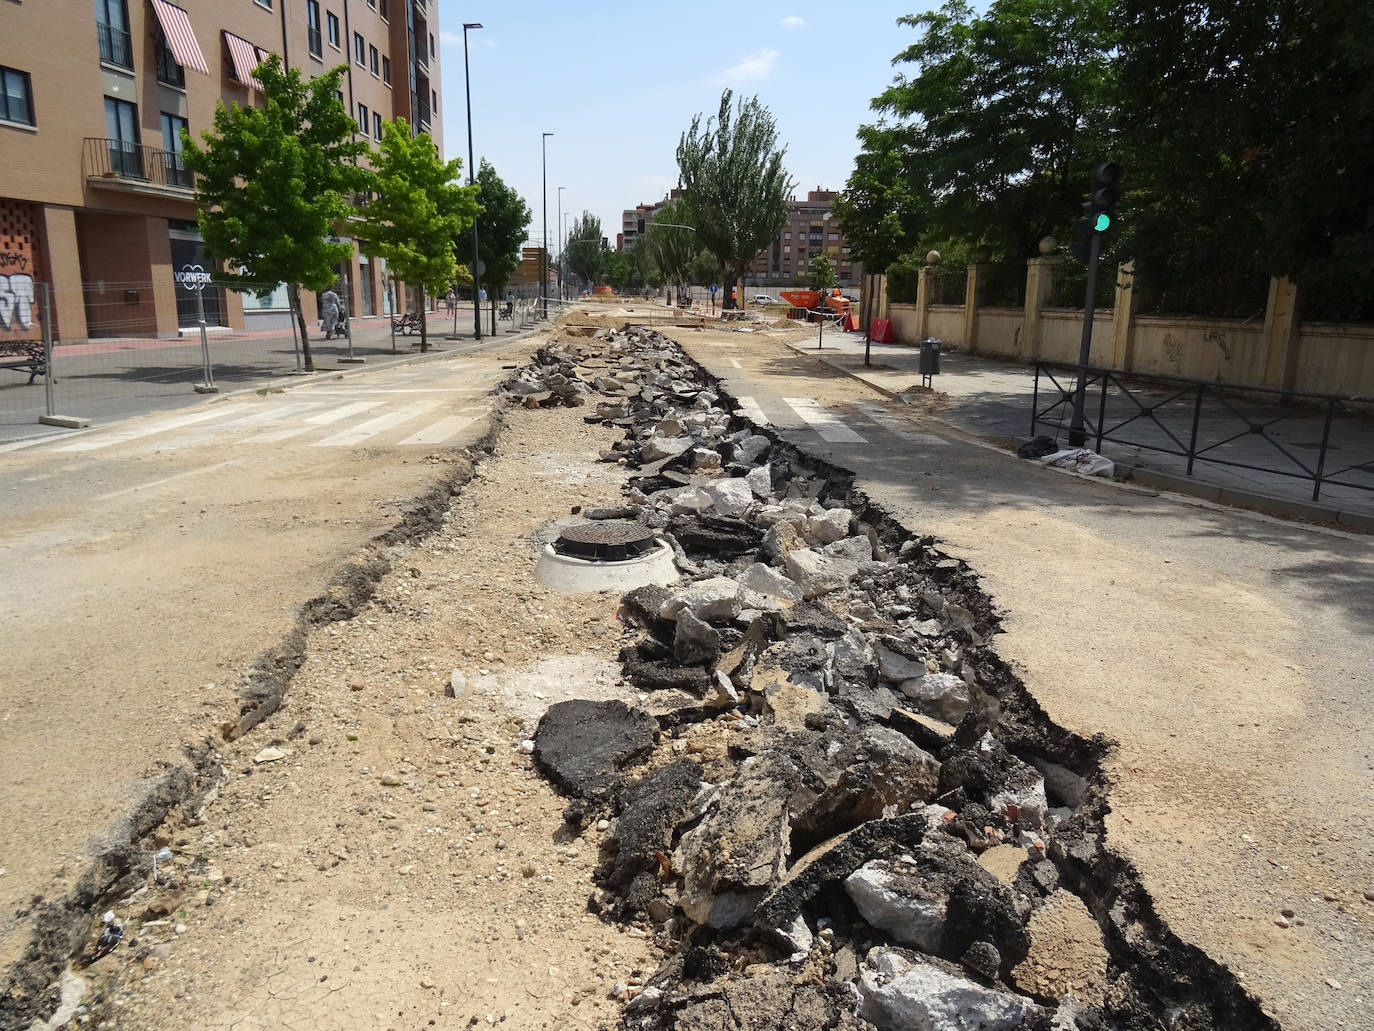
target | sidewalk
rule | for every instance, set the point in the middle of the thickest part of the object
(993, 400)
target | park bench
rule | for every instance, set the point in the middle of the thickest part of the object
(407, 323)
(23, 354)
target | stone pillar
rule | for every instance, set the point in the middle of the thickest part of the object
(64, 271)
(1281, 333)
(978, 274)
(1040, 276)
(927, 293)
(1123, 318)
(160, 275)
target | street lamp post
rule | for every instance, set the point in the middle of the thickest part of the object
(558, 224)
(472, 172)
(544, 255)
(562, 249)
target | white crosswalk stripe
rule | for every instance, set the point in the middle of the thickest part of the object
(823, 421)
(896, 426)
(370, 428)
(440, 431)
(268, 413)
(314, 421)
(750, 409)
(148, 429)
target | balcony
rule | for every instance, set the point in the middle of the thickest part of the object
(419, 110)
(168, 71)
(313, 41)
(420, 52)
(118, 164)
(115, 46)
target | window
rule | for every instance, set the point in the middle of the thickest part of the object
(832, 236)
(169, 72)
(264, 3)
(382, 9)
(338, 95)
(386, 70)
(787, 236)
(312, 28)
(332, 21)
(372, 4)
(376, 125)
(176, 171)
(373, 62)
(359, 48)
(121, 132)
(362, 118)
(112, 32)
(431, 44)
(16, 97)
(434, 101)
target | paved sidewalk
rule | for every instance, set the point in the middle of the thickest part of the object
(993, 400)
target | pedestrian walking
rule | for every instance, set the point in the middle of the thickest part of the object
(450, 302)
(330, 306)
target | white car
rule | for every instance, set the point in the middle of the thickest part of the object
(765, 299)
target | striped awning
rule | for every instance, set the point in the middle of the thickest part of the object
(246, 58)
(176, 26)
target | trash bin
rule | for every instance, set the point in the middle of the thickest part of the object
(930, 359)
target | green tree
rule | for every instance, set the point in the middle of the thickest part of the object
(881, 208)
(501, 228)
(272, 185)
(419, 209)
(667, 247)
(586, 253)
(820, 273)
(704, 268)
(734, 184)
(1005, 115)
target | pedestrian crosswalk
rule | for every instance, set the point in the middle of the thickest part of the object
(327, 419)
(843, 424)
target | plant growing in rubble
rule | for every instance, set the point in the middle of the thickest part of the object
(272, 183)
(419, 210)
(734, 185)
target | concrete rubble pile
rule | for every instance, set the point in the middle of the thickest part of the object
(835, 807)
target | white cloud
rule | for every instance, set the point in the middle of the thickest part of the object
(450, 39)
(751, 68)
(793, 21)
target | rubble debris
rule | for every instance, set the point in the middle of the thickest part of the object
(854, 815)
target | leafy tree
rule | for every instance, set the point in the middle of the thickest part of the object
(820, 273)
(419, 209)
(704, 269)
(1005, 114)
(501, 228)
(735, 187)
(587, 255)
(272, 183)
(881, 209)
(667, 248)
(625, 269)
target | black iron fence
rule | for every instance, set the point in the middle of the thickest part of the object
(1321, 438)
(122, 159)
(168, 70)
(115, 45)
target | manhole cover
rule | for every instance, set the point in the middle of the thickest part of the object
(607, 541)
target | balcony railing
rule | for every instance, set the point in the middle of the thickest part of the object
(420, 50)
(115, 46)
(421, 113)
(313, 41)
(120, 160)
(168, 70)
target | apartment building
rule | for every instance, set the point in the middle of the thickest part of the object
(94, 197)
(810, 230)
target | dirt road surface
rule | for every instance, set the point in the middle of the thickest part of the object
(148, 562)
(1229, 654)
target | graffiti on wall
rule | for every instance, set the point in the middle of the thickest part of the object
(16, 292)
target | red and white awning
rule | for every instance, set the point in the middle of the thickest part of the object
(246, 58)
(181, 40)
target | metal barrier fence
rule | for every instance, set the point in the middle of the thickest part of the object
(1319, 438)
(125, 366)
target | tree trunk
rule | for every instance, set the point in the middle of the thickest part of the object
(293, 292)
(729, 287)
(424, 318)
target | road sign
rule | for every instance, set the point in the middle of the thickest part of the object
(193, 277)
(713, 288)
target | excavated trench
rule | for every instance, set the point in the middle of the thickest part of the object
(836, 806)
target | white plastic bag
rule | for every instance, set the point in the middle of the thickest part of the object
(1081, 460)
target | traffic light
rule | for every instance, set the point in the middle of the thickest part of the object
(1102, 200)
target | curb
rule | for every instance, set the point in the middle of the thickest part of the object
(1228, 497)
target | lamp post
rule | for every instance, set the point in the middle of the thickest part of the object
(544, 256)
(472, 172)
(562, 248)
(558, 224)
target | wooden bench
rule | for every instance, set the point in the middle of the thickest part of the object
(23, 354)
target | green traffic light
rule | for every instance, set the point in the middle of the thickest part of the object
(1103, 222)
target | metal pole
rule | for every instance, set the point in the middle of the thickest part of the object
(544, 254)
(208, 384)
(348, 359)
(1077, 436)
(49, 397)
(1035, 400)
(562, 239)
(1192, 436)
(472, 172)
(1321, 455)
(291, 309)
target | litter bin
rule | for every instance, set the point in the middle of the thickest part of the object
(930, 359)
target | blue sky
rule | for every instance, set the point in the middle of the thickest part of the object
(618, 83)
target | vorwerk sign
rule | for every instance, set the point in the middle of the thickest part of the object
(193, 277)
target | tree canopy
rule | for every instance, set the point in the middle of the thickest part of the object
(667, 247)
(501, 227)
(419, 209)
(585, 251)
(733, 183)
(820, 273)
(881, 207)
(272, 185)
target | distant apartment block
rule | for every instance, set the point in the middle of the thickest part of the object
(94, 196)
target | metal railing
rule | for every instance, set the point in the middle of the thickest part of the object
(421, 113)
(313, 41)
(115, 45)
(1261, 429)
(420, 50)
(168, 71)
(120, 159)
